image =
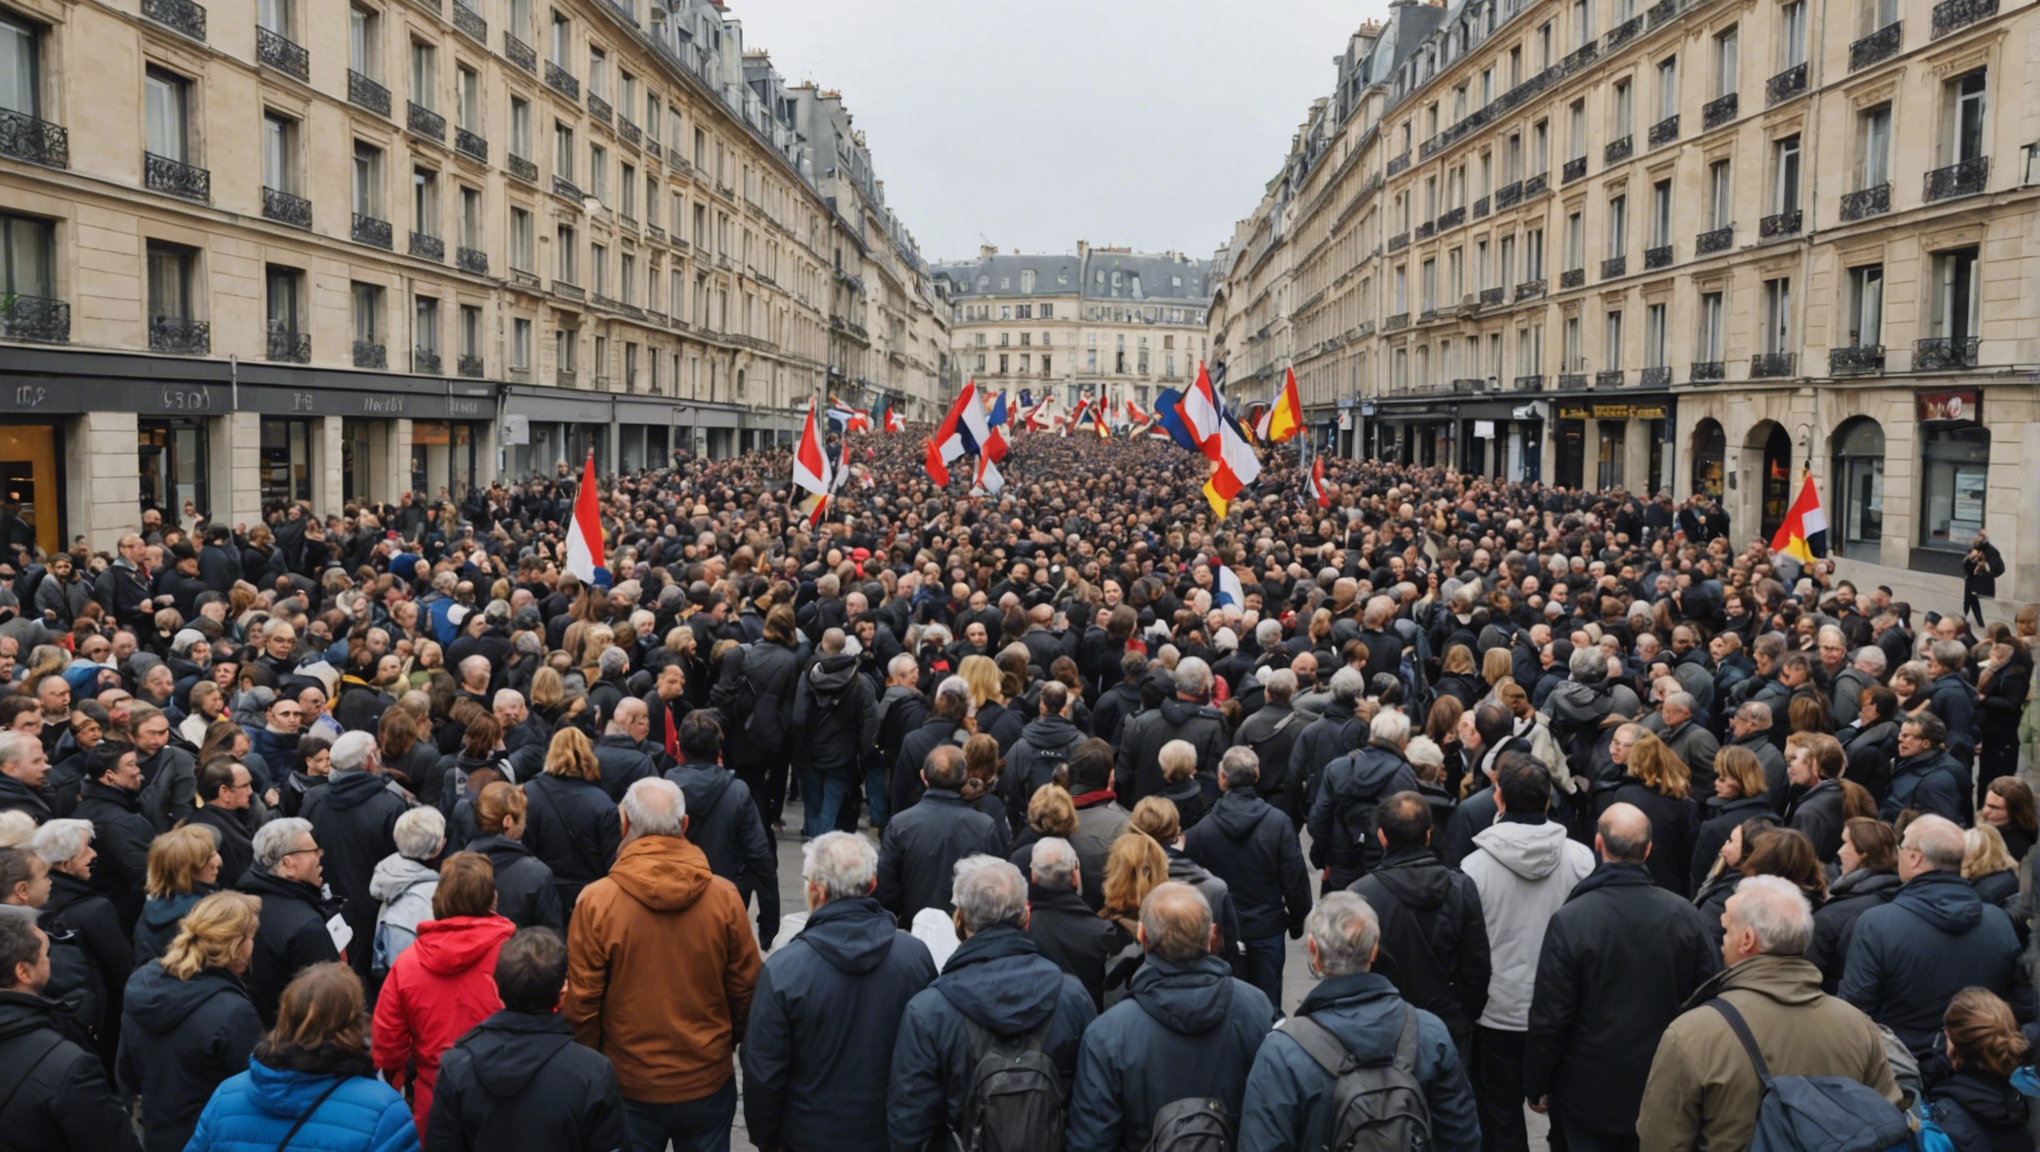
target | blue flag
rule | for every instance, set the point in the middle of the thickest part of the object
(1026, 398)
(1171, 420)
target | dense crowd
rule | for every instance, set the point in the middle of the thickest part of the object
(381, 830)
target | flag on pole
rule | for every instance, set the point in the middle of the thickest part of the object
(1098, 418)
(1238, 466)
(1284, 417)
(1001, 428)
(858, 421)
(894, 422)
(1320, 490)
(1803, 535)
(989, 479)
(585, 558)
(1201, 419)
(947, 443)
(1134, 414)
(811, 469)
(975, 427)
(1228, 589)
(1169, 418)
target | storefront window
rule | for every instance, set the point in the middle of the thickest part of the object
(1859, 489)
(286, 461)
(174, 467)
(1614, 450)
(1956, 469)
(28, 480)
(1777, 483)
(1710, 450)
(442, 459)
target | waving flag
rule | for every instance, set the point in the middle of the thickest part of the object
(1098, 418)
(989, 479)
(947, 444)
(584, 536)
(1169, 418)
(1284, 418)
(975, 428)
(894, 422)
(1803, 535)
(811, 469)
(1026, 398)
(1201, 419)
(1320, 490)
(1135, 415)
(859, 421)
(1001, 428)
(1227, 587)
(1238, 466)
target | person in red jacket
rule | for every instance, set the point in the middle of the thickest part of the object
(443, 985)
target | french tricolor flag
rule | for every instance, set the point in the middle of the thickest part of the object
(585, 558)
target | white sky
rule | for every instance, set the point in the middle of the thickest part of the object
(1148, 123)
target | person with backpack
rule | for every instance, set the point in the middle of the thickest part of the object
(1704, 1089)
(1252, 847)
(988, 1051)
(1166, 1068)
(917, 855)
(722, 819)
(1342, 813)
(1186, 714)
(755, 694)
(836, 714)
(1272, 732)
(1045, 745)
(1357, 1066)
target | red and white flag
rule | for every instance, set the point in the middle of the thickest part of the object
(894, 422)
(1319, 490)
(584, 536)
(811, 469)
(946, 446)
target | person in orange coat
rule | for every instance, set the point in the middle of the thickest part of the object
(444, 984)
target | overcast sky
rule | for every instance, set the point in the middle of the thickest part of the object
(1148, 123)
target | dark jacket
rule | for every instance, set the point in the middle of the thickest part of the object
(121, 834)
(1473, 815)
(360, 706)
(89, 955)
(1287, 1105)
(1620, 958)
(16, 796)
(158, 925)
(999, 981)
(1185, 1030)
(1341, 814)
(722, 820)
(1116, 705)
(169, 787)
(1834, 923)
(291, 936)
(1981, 1112)
(354, 820)
(826, 1010)
(178, 1040)
(1932, 782)
(572, 827)
(918, 851)
(906, 785)
(1818, 813)
(766, 668)
(835, 714)
(1953, 699)
(55, 1090)
(1707, 841)
(1251, 846)
(1045, 744)
(1140, 745)
(519, 1081)
(1273, 732)
(1434, 940)
(525, 892)
(1069, 932)
(623, 764)
(237, 844)
(1767, 754)
(1673, 828)
(1935, 938)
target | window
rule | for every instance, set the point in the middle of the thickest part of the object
(28, 257)
(1866, 305)
(1577, 120)
(566, 255)
(1582, 22)
(425, 201)
(1720, 194)
(1668, 87)
(1661, 213)
(598, 268)
(364, 42)
(1575, 241)
(1778, 315)
(1966, 99)
(1878, 14)
(368, 180)
(598, 172)
(1613, 330)
(628, 185)
(424, 75)
(1507, 253)
(470, 331)
(173, 272)
(522, 237)
(1003, 363)
(626, 288)
(368, 324)
(1618, 227)
(1624, 110)
(168, 100)
(1427, 282)
(1707, 341)
(1540, 147)
(566, 347)
(20, 66)
(1656, 347)
(1953, 305)
(520, 127)
(1792, 33)
(471, 218)
(280, 153)
(1873, 147)
(1956, 455)
(563, 151)
(562, 40)
(518, 18)
(520, 344)
(1533, 254)
(1785, 169)
(1725, 44)
(286, 303)
(1575, 359)
(598, 71)
(467, 99)
(1047, 313)
(274, 16)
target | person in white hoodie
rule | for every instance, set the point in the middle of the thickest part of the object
(404, 881)
(1524, 867)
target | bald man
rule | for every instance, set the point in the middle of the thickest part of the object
(1619, 960)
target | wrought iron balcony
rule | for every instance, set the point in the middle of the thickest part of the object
(285, 208)
(1878, 46)
(425, 122)
(1571, 381)
(1658, 257)
(1771, 365)
(36, 141)
(568, 189)
(1966, 178)
(569, 290)
(180, 334)
(1508, 195)
(1529, 383)
(599, 108)
(469, 21)
(1427, 229)
(1780, 224)
(1717, 240)
(1398, 242)
(176, 178)
(1785, 85)
(1614, 266)
(1867, 202)
(1715, 113)
(525, 279)
(1623, 33)
(1396, 323)
(370, 354)
(288, 346)
(367, 93)
(1709, 370)
(1579, 58)
(519, 53)
(425, 361)
(1573, 170)
(1489, 297)
(1612, 378)
(189, 18)
(1536, 185)
(1427, 315)
(1571, 278)
(471, 260)
(35, 318)
(1399, 163)
(1530, 289)
(521, 168)
(1452, 218)
(427, 247)
(1664, 131)
(1856, 361)
(562, 80)
(1942, 353)
(652, 147)
(369, 230)
(1659, 377)
(1480, 208)
(468, 144)
(1617, 151)
(282, 54)
(1955, 15)
(471, 366)
(1661, 13)
(629, 131)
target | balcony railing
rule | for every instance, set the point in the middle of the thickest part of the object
(1396, 323)
(1537, 185)
(1942, 353)
(1618, 150)
(1530, 289)
(1878, 46)
(35, 318)
(1612, 378)
(1664, 131)
(471, 367)
(176, 178)
(1622, 33)
(369, 230)
(1480, 208)
(629, 131)
(1780, 224)
(1717, 240)
(282, 54)
(287, 346)
(1529, 383)
(1954, 15)
(428, 247)
(1867, 202)
(1661, 13)
(1573, 170)
(1715, 113)
(1427, 315)
(1490, 297)
(1709, 370)
(1658, 257)
(189, 18)
(568, 189)
(286, 208)
(36, 141)
(1452, 218)
(1785, 85)
(469, 21)
(180, 334)
(1509, 195)
(1856, 361)
(471, 260)
(569, 290)
(1614, 266)
(1398, 242)
(1771, 365)
(1659, 377)
(1966, 178)
(1571, 381)
(370, 354)
(562, 80)
(470, 145)
(1579, 58)
(367, 93)
(425, 122)
(425, 361)
(599, 108)
(521, 168)
(1401, 162)
(1427, 229)
(519, 53)
(1571, 278)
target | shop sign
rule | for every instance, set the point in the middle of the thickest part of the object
(1611, 412)
(1951, 405)
(1483, 429)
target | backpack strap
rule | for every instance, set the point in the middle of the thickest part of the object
(1319, 1044)
(1406, 1043)
(56, 1041)
(310, 1112)
(1741, 1028)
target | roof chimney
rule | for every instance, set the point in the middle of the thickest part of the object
(985, 250)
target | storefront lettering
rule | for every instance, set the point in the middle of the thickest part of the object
(301, 402)
(392, 404)
(198, 399)
(30, 395)
(456, 407)
(1613, 412)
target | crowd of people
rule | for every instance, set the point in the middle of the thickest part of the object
(382, 830)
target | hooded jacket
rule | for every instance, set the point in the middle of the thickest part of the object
(291, 936)
(1910, 957)
(1674, 825)
(1430, 917)
(1578, 711)
(122, 835)
(1185, 1030)
(1931, 781)
(1834, 923)
(442, 986)
(403, 889)
(998, 980)
(660, 969)
(1981, 1112)
(518, 1080)
(722, 820)
(1139, 770)
(354, 819)
(14, 795)
(178, 1040)
(1252, 846)
(572, 827)
(60, 1098)
(237, 844)
(1523, 867)
(905, 788)
(818, 1049)
(1340, 836)
(158, 925)
(256, 1110)
(918, 851)
(525, 892)
(1072, 934)
(1044, 745)
(835, 714)
(1712, 834)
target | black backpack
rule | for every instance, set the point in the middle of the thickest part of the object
(1196, 1124)
(766, 726)
(1830, 1113)
(1014, 1102)
(1375, 1107)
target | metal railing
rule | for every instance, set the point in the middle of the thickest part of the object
(1866, 202)
(428, 247)
(1858, 360)
(282, 54)
(425, 361)
(424, 121)
(1715, 240)
(1709, 370)
(1963, 178)
(285, 208)
(35, 318)
(599, 108)
(367, 93)
(519, 53)
(1785, 223)
(176, 178)
(562, 80)
(1610, 378)
(1529, 383)
(1530, 289)
(369, 230)
(1572, 278)
(1878, 46)
(1785, 85)
(521, 168)
(1573, 170)
(1618, 150)
(470, 22)
(1717, 112)
(1940, 353)
(468, 144)
(36, 141)
(1955, 15)
(1771, 365)
(288, 346)
(189, 18)
(471, 260)
(1614, 266)
(1658, 257)
(370, 354)
(1664, 131)
(471, 366)
(180, 334)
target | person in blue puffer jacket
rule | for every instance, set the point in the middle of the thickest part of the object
(310, 1085)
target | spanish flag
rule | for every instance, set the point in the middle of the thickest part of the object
(1803, 535)
(1285, 415)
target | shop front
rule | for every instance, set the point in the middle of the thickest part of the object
(1600, 445)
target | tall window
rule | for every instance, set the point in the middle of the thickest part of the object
(1656, 345)
(368, 180)
(566, 255)
(20, 66)
(1661, 213)
(1613, 330)
(1866, 305)
(563, 151)
(1792, 33)
(562, 41)
(520, 344)
(517, 15)
(1533, 254)
(425, 201)
(1668, 87)
(1575, 241)
(1953, 308)
(1575, 355)
(598, 171)
(1624, 112)
(1778, 315)
(520, 128)
(598, 71)
(274, 16)
(467, 99)
(1618, 227)
(280, 153)
(425, 329)
(1873, 147)
(1785, 171)
(1576, 118)
(286, 303)
(173, 273)
(424, 75)
(628, 186)
(471, 218)
(598, 268)
(1707, 341)
(1725, 44)
(364, 42)
(167, 97)
(368, 324)
(522, 237)
(470, 330)
(1965, 140)
(28, 257)
(1720, 194)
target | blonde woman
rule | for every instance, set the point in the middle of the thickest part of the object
(184, 868)
(1990, 869)
(1657, 782)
